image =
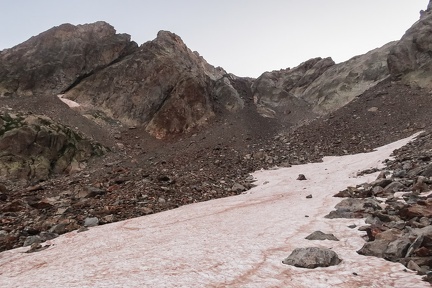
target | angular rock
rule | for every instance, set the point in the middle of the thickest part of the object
(413, 266)
(238, 187)
(375, 248)
(354, 208)
(301, 177)
(415, 245)
(318, 235)
(30, 240)
(396, 249)
(91, 222)
(383, 182)
(312, 257)
(389, 235)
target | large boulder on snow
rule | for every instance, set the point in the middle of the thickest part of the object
(312, 257)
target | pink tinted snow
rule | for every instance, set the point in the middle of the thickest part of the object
(232, 242)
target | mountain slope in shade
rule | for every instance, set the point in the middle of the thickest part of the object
(164, 86)
(319, 86)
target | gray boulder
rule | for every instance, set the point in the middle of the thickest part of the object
(354, 208)
(318, 235)
(312, 257)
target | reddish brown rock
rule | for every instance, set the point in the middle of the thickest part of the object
(416, 210)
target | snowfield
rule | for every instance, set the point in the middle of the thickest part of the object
(231, 242)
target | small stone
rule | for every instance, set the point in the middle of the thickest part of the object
(309, 196)
(58, 229)
(91, 222)
(238, 188)
(61, 210)
(352, 226)
(36, 247)
(413, 266)
(415, 245)
(30, 240)
(318, 235)
(301, 177)
(146, 210)
(82, 229)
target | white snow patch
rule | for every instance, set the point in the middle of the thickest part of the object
(70, 103)
(232, 242)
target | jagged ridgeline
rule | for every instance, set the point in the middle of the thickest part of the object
(34, 147)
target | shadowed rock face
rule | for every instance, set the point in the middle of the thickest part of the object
(319, 86)
(55, 59)
(33, 147)
(411, 57)
(163, 86)
(280, 92)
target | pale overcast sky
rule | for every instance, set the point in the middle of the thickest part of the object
(245, 37)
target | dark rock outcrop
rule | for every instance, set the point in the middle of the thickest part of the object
(54, 60)
(163, 86)
(280, 92)
(319, 86)
(411, 58)
(33, 146)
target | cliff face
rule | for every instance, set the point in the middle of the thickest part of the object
(411, 58)
(163, 86)
(280, 92)
(52, 61)
(319, 86)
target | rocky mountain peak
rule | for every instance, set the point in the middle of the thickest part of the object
(168, 37)
(163, 86)
(54, 60)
